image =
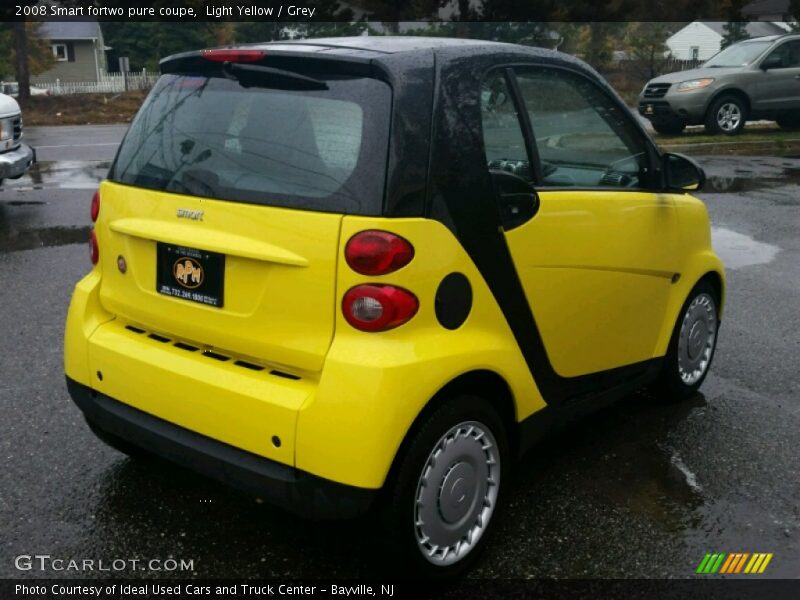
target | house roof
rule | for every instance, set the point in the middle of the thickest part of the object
(766, 8)
(754, 28)
(69, 30)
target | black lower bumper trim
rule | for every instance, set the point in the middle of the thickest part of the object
(294, 490)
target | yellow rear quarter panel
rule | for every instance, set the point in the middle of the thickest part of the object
(374, 385)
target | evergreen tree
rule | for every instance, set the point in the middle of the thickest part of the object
(734, 31)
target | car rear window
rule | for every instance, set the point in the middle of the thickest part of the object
(207, 136)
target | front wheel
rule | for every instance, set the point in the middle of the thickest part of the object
(692, 345)
(447, 488)
(726, 115)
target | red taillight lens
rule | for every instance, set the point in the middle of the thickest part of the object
(233, 55)
(94, 249)
(95, 210)
(378, 307)
(374, 252)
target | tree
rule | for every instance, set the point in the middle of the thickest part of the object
(597, 42)
(146, 42)
(645, 43)
(331, 19)
(794, 11)
(21, 60)
(735, 29)
(36, 56)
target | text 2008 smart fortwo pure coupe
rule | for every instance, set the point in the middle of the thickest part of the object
(362, 273)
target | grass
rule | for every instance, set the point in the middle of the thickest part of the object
(757, 138)
(82, 109)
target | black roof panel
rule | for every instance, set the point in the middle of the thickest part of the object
(381, 44)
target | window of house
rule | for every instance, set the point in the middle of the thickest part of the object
(695, 53)
(60, 52)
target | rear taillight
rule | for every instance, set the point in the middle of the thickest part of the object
(233, 55)
(94, 249)
(374, 252)
(95, 210)
(378, 307)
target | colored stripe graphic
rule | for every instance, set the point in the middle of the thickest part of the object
(735, 562)
(727, 564)
(703, 563)
(741, 563)
(765, 563)
(718, 563)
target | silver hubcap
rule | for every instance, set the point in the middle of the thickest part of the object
(457, 493)
(729, 116)
(696, 340)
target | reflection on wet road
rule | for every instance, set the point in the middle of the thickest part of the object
(739, 250)
(642, 489)
(62, 174)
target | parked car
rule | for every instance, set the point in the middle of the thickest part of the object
(752, 80)
(15, 157)
(368, 273)
(11, 88)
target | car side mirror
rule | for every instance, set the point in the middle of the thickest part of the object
(516, 198)
(773, 61)
(682, 174)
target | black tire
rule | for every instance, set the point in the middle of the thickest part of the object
(669, 127)
(789, 123)
(117, 443)
(670, 385)
(713, 120)
(401, 511)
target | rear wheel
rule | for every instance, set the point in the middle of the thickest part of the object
(726, 115)
(447, 488)
(692, 345)
(668, 126)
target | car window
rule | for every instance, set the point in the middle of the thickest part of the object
(502, 134)
(583, 137)
(789, 54)
(738, 55)
(213, 137)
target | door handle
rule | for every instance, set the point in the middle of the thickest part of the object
(517, 201)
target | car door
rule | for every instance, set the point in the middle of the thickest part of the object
(779, 86)
(597, 258)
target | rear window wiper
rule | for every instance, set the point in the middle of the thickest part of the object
(269, 77)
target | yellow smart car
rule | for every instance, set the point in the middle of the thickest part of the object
(370, 272)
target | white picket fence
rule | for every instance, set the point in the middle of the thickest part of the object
(109, 83)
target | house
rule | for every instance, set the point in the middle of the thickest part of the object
(701, 40)
(78, 50)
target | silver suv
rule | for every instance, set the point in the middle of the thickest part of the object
(751, 80)
(15, 157)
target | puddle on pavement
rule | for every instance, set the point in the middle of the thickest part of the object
(738, 250)
(654, 481)
(62, 174)
(736, 175)
(43, 238)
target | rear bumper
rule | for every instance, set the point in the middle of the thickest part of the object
(14, 163)
(294, 490)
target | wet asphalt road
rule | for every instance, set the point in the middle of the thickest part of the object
(642, 489)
